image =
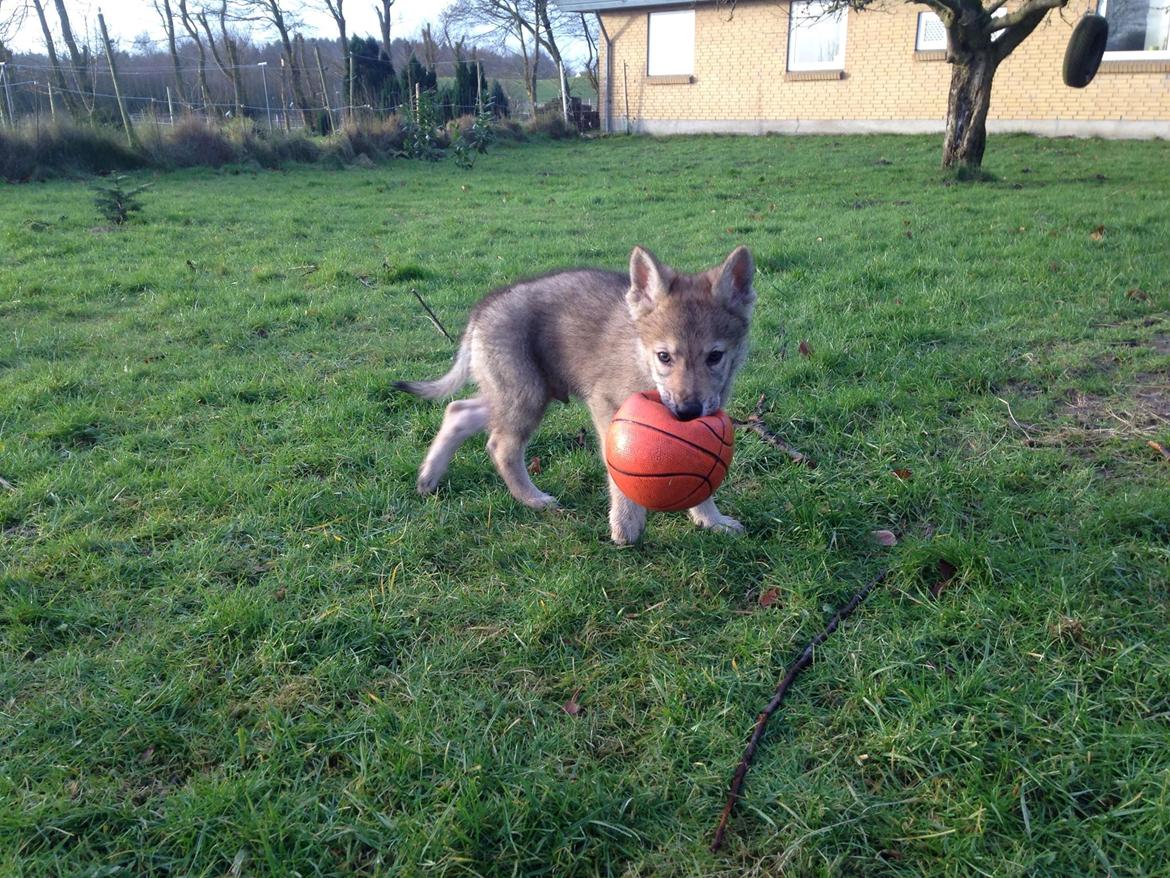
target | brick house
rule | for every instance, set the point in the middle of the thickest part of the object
(783, 66)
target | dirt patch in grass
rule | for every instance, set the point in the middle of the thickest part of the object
(1085, 420)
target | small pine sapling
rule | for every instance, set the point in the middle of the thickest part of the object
(115, 202)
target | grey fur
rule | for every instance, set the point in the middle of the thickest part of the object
(598, 336)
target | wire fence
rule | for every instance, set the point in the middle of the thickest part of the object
(30, 91)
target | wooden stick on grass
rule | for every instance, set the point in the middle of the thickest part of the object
(755, 423)
(805, 659)
(431, 315)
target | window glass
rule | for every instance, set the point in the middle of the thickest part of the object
(1137, 27)
(671, 48)
(816, 37)
(932, 36)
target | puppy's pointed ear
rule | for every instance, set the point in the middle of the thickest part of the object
(649, 282)
(733, 282)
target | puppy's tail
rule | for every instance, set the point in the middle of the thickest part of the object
(449, 383)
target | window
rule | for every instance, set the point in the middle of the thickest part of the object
(816, 36)
(1138, 29)
(932, 36)
(671, 48)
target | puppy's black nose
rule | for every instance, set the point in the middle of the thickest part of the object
(689, 411)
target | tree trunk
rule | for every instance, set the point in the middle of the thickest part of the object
(193, 33)
(80, 59)
(54, 62)
(550, 42)
(383, 11)
(168, 22)
(967, 105)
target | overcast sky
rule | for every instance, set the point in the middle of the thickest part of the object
(127, 19)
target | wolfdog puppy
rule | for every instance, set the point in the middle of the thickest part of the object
(598, 336)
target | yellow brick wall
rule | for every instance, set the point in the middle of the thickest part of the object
(740, 63)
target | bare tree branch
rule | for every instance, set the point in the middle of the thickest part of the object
(166, 16)
(383, 11)
(1024, 13)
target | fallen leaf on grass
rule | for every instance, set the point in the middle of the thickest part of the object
(1098, 233)
(1160, 448)
(572, 707)
(769, 597)
(534, 466)
(884, 537)
(903, 474)
(946, 572)
(805, 348)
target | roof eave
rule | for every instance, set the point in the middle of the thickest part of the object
(618, 5)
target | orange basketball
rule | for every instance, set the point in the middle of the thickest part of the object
(663, 463)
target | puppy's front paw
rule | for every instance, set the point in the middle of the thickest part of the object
(626, 523)
(540, 500)
(427, 482)
(721, 524)
(707, 516)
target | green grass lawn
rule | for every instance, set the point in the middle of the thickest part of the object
(234, 641)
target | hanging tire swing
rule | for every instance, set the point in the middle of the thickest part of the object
(1085, 50)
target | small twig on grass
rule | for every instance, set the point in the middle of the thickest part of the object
(755, 423)
(1023, 429)
(432, 316)
(7, 485)
(805, 659)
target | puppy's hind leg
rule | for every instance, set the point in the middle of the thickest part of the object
(464, 418)
(510, 430)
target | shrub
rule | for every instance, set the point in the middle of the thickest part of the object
(192, 142)
(376, 138)
(551, 125)
(62, 148)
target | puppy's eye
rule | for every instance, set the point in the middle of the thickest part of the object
(714, 357)
(664, 357)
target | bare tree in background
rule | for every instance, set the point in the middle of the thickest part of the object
(54, 61)
(192, 30)
(594, 57)
(336, 11)
(504, 23)
(81, 60)
(383, 10)
(228, 61)
(163, 8)
(11, 17)
(271, 13)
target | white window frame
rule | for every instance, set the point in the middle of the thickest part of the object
(674, 18)
(1143, 55)
(920, 43)
(837, 63)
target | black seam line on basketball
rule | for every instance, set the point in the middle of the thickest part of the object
(688, 496)
(722, 441)
(671, 435)
(707, 477)
(660, 475)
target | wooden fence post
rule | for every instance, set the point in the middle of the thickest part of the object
(130, 138)
(324, 88)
